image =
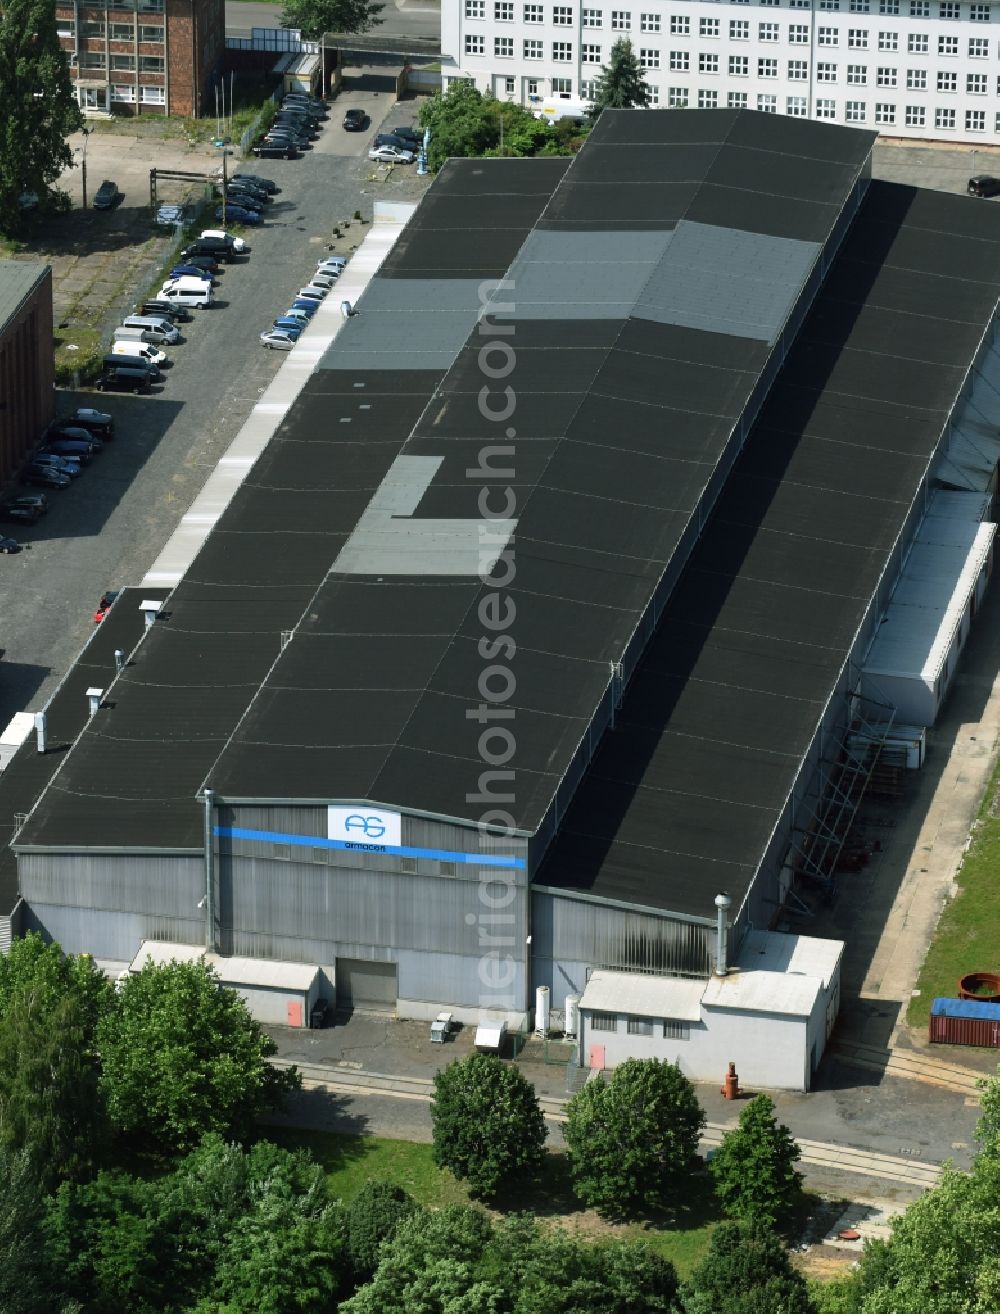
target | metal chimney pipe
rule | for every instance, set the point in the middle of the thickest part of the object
(40, 727)
(94, 697)
(722, 904)
(119, 660)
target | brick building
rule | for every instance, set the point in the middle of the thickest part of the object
(143, 56)
(27, 367)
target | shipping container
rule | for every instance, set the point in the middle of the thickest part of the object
(965, 1022)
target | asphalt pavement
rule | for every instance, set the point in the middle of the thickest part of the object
(107, 529)
(399, 18)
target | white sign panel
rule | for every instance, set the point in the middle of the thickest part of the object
(364, 827)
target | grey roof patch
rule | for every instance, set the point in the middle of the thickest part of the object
(389, 540)
(574, 275)
(414, 324)
(725, 280)
(18, 278)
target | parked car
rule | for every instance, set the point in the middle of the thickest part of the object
(105, 605)
(309, 305)
(68, 429)
(238, 214)
(139, 350)
(409, 133)
(209, 263)
(290, 324)
(277, 340)
(983, 185)
(301, 118)
(236, 244)
(273, 150)
(312, 103)
(123, 378)
(300, 140)
(245, 200)
(107, 195)
(299, 317)
(45, 476)
(74, 448)
(9, 545)
(187, 292)
(392, 139)
(332, 264)
(191, 271)
(208, 248)
(155, 328)
(265, 184)
(390, 155)
(158, 306)
(26, 509)
(325, 278)
(54, 461)
(96, 422)
(240, 188)
(355, 120)
(311, 293)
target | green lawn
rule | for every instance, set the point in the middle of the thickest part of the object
(350, 1161)
(968, 934)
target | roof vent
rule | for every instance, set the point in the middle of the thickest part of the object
(94, 696)
(722, 905)
(150, 608)
(40, 727)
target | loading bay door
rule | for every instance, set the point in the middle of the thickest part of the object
(362, 984)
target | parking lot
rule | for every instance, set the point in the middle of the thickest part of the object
(108, 527)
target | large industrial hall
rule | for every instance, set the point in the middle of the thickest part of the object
(552, 637)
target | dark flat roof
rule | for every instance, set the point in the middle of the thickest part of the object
(685, 792)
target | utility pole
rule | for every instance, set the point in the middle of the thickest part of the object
(83, 164)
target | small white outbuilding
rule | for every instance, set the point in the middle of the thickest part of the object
(771, 1014)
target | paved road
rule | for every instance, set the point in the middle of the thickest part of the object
(107, 529)
(399, 18)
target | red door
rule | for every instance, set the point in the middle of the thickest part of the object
(596, 1058)
(294, 1012)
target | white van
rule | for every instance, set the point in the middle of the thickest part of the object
(186, 292)
(149, 336)
(161, 329)
(142, 349)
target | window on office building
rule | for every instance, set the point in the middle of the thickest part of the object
(708, 27)
(944, 118)
(708, 63)
(651, 59)
(739, 66)
(125, 94)
(947, 81)
(979, 48)
(798, 34)
(826, 72)
(588, 89)
(767, 68)
(593, 18)
(885, 77)
(562, 86)
(979, 13)
(604, 1022)
(475, 8)
(996, 123)
(649, 22)
(739, 29)
(736, 100)
(503, 47)
(857, 75)
(976, 84)
(590, 54)
(949, 9)
(920, 8)
(150, 64)
(534, 50)
(92, 59)
(652, 97)
(947, 45)
(888, 41)
(125, 32)
(915, 116)
(860, 6)
(562, 52)
(475, 44)
(888, 7)
(123, 63)
(828, 36)
(916, 79)
(534, 13)
(767, 31)
(885, 114)
(680, 61)
(677, 97)
(798, 70)
(855, 111)
(796, 107)
(857, 38)
(673, 1029)
(975, 120)
(767, 104)
(149, 32)
(829, 4)
(153, 95)
(640, 1026)
(680, 25)
(917, 43)
(826, 109)
(503, 11)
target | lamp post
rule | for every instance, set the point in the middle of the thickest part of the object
(221, 143)
(83, 163)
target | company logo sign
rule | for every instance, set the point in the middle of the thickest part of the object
(363, 827)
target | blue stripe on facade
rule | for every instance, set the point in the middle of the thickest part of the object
(399, 850)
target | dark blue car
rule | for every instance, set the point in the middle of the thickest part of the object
(237, 215)
(191, 271)
(290, 326)
(310, 307)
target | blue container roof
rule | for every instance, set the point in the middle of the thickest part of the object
(965, 1008)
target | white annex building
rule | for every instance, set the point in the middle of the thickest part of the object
(908, 68)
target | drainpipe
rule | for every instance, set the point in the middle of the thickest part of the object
(722, 905)
(209, 873)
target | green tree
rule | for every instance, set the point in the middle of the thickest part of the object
(25, 1279)
(746, 1271)
(988, 1126)
(181, 1056)
(632, 1138)
(50, 1007)
(317, 17)
(487, 1125)
(373, 1216)
(754, 1167)
(622, 83)
(37, 107)
(465, 123)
